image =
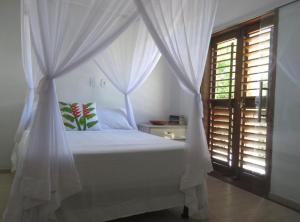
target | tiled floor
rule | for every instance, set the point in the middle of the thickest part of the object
(226, 204)
(5, 181)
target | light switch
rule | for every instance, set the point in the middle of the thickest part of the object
(102, 83)
(92, 82)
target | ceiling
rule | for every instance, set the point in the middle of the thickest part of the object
(231, 12)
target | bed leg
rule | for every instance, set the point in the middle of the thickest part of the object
(185, 213)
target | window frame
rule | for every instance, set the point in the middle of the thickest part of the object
(243, 180)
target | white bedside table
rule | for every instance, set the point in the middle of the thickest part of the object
(175, 132)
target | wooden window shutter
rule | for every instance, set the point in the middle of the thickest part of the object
(221, 95)
(240, 99)
(255, 88)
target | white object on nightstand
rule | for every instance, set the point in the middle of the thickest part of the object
(175, 132)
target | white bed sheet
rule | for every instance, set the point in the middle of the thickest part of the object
(126, 157)
(110, 141)
(123, 172)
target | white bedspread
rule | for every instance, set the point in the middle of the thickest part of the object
(126, 157)
(124, 172)
(111, 141)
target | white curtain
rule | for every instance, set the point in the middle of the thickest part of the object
(182, 31)
(32, 82)
(64, 34)
(128, 62)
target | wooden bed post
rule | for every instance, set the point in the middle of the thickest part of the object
(185, 213)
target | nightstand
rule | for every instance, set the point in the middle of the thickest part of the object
(175, 132)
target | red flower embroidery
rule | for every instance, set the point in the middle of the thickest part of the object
(75, 110)
(86, 110)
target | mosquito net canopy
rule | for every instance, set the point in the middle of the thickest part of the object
(125, 39)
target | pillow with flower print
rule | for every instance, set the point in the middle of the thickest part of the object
(77, 116)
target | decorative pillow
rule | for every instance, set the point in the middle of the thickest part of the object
(113, 119)
(78, 116)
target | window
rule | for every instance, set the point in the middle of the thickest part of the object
(240, 98)
(222, 87)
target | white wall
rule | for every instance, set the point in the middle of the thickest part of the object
(232, 12)
(152, 101)
(285, 180)
(12, 86)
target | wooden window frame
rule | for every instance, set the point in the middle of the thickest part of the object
(260, 184)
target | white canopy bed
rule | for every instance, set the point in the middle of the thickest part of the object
(57, 180)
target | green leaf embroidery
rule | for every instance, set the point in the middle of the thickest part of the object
(66, 109)
(91, 109)
(68, 117)
(91, 116)
(89, 104)
(91, 124)
(68, 125)
(63, 103)
(82, 120)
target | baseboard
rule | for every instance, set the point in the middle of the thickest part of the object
(285, 202)
(5, 171)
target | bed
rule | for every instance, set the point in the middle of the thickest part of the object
(123, 173)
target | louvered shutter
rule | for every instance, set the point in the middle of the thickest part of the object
(221, 96)
(239, 116)
(254, 95)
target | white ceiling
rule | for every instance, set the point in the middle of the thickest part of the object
(231, 12)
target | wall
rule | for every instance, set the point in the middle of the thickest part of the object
(12, 86)
(232, 12)
(152, 101)
(285, 180)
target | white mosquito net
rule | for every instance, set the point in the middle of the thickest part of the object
(63, 34)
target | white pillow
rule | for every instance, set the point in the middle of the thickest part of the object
(113, 119)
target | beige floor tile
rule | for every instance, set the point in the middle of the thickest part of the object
(226, 204)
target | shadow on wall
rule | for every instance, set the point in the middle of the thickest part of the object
(9, 116)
